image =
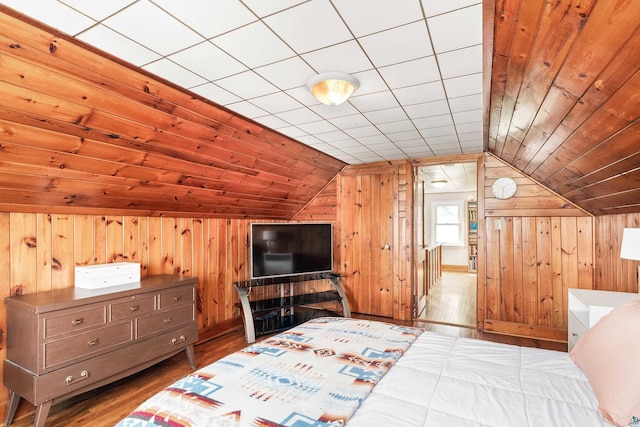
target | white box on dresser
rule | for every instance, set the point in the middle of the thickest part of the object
(587, 307)
(104, 275)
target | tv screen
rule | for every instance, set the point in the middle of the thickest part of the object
(287, 249)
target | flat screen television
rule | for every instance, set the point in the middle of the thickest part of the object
(288, 249)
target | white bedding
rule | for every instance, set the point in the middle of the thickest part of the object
(444, 381)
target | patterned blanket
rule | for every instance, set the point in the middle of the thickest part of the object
(315, 374)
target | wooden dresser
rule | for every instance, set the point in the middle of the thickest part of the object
(65, 342)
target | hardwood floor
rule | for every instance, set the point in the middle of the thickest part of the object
(108, 405)
(452, 300)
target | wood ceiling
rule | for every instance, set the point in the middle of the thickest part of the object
(80, 132)
(83, 132)
(565, 98)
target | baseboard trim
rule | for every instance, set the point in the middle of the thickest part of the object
(455, 268)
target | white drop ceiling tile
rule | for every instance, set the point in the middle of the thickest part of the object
(374, 101)
(468, 116)
(370, 82)
(291, 131)
(458, 29)
(437, 131)
(263, 8)
(116, 44)
(393, 128)
(287, 74)
(461, 62)
(469, 127)
(433, 122)
(272, 122)
(411, 73)
(375, 141)
(370, 16)
(318, 127)
(247, 109)
(386, 115)
(443, 139)
(215, 93)
(276, 102)
(174, 73)
(391, 47)
(418, 151)
(153, 28)
(470, 136)
(303, 96)
(417, 94)
(299, 116)
(410, 138)
(52, 13)
(350, 121)
(447, 152)
(247, 85)
(466, 103)
(464, 86)
(97, 10)
(345, 57)
(427, 109)
(335, 111)
(357, 150)
(212, 17)
(391, 152)
(265, 46)
(208, 61)
(337, 135)
(363, 131)
(344, 143)
(437, 7)
(301, 28)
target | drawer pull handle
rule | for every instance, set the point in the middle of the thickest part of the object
(83, 376)
(177, 298)
(93, 342)
(76, 322)
(134, 308)
(167, 320)
(175, 341)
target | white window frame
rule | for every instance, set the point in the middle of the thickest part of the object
(460, 223)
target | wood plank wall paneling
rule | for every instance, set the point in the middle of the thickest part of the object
(360, 233)
(612, 272)
(537, 246)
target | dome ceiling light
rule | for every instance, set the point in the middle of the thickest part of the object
(332, 88)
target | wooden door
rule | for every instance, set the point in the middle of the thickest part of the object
(366, 237)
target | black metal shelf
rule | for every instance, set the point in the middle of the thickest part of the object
(271, 315)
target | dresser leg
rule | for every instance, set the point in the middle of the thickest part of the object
(14, 399)
(191, 355)
(41, 413)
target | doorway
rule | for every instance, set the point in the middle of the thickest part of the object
(444, 193)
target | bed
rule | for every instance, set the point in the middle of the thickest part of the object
(334, 371)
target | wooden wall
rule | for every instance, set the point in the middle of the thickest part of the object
(612, 272)
(536, 246)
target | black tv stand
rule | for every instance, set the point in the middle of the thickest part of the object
(291, 306)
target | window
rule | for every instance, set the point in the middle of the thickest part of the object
(448, 224)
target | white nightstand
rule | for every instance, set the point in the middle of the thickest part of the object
(587, 307)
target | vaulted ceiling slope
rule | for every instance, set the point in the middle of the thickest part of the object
(565, 98)
(82, 132)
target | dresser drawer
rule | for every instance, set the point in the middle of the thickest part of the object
(135, 306)
(164, 320)
(576, 331)
(177, 296)
(99, 370)
(91, 342)
(70, 321)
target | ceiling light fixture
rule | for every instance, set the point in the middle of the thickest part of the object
(332, 88)
(439, 183)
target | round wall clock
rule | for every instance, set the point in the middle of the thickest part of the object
(504, 188)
